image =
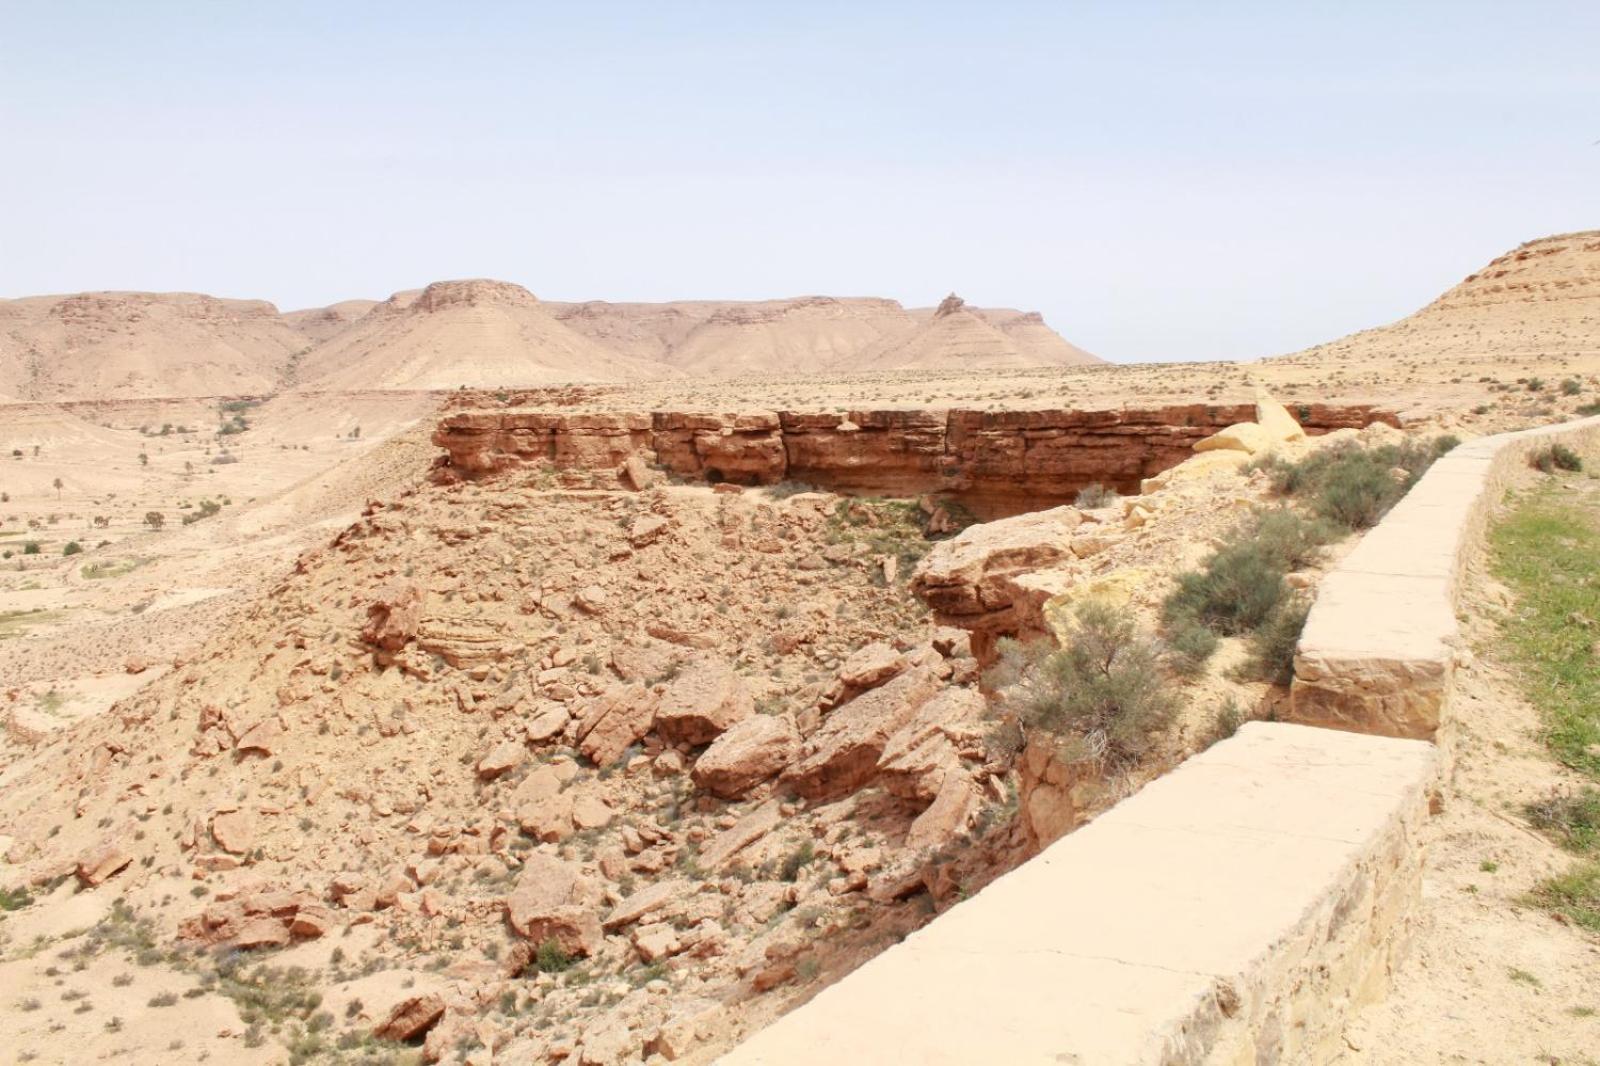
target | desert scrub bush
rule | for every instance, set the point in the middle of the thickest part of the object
(797, 860)
(1225, 722)
(1288, 539)
(1189, 646)
(1235, 589)
(1270, 647)
(551, 957)
(1102, 696)
(1553, 457)
(1354, 486)
(1091, 497)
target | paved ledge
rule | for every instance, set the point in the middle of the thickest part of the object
(1231, 911)
(1378, 650)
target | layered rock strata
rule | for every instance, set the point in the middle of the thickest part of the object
(996, 462)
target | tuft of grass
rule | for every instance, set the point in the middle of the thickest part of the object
(1547, 550)
(1575, 895)
(1571, 819)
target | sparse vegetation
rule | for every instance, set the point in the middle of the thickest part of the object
(1548, 551)
(1354, 486)
(1102, 696)
(1553, 457)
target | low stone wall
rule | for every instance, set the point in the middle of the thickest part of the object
(1379, 647)
(1232, 911)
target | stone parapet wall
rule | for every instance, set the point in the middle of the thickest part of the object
(1379, 648)
(1233, 911)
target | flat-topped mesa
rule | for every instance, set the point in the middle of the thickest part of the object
(995, 462)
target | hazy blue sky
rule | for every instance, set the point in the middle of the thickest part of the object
(1163, 181)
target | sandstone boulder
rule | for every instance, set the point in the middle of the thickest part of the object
(100, 862)
(871, 665)
(410, 1018)
(842, 755)
(234, 831)
(611, 722)
(393, 616)
(948, 816)
(1275, 420)
(552, 900)
(503, 757)
(636, 475)
(752, 751)
(702, 702)
(1246, 437)
(927, 749)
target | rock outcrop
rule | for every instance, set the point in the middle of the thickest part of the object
(996, 462)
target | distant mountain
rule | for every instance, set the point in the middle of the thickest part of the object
(812, 334)
(478, 333)
(482, 334)
(320, 324)
(1541, 297)
(115, 345)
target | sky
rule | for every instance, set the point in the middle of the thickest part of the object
(1162, 181)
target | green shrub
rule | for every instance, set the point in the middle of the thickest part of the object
(1190, 644)
(1225, 722)
(1553, 457)
(1357, 493)
(1287, 538)
(551, 957)
(30, 547)
(1588, 409)
(1571, 387)
(1102, 695)
(1095, 496)
(1270, 655)
(1355, 486)
(72, 547)
(1233, 592)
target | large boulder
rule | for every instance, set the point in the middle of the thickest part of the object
(927, 749)
(612, 721)
(752, 751)
(1247, 437)
(702, 702)
(1275, 420)
(100, 862)
(976, 579)
(410, 1018)
(393, 615)
(552, 900)
(842, 754)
